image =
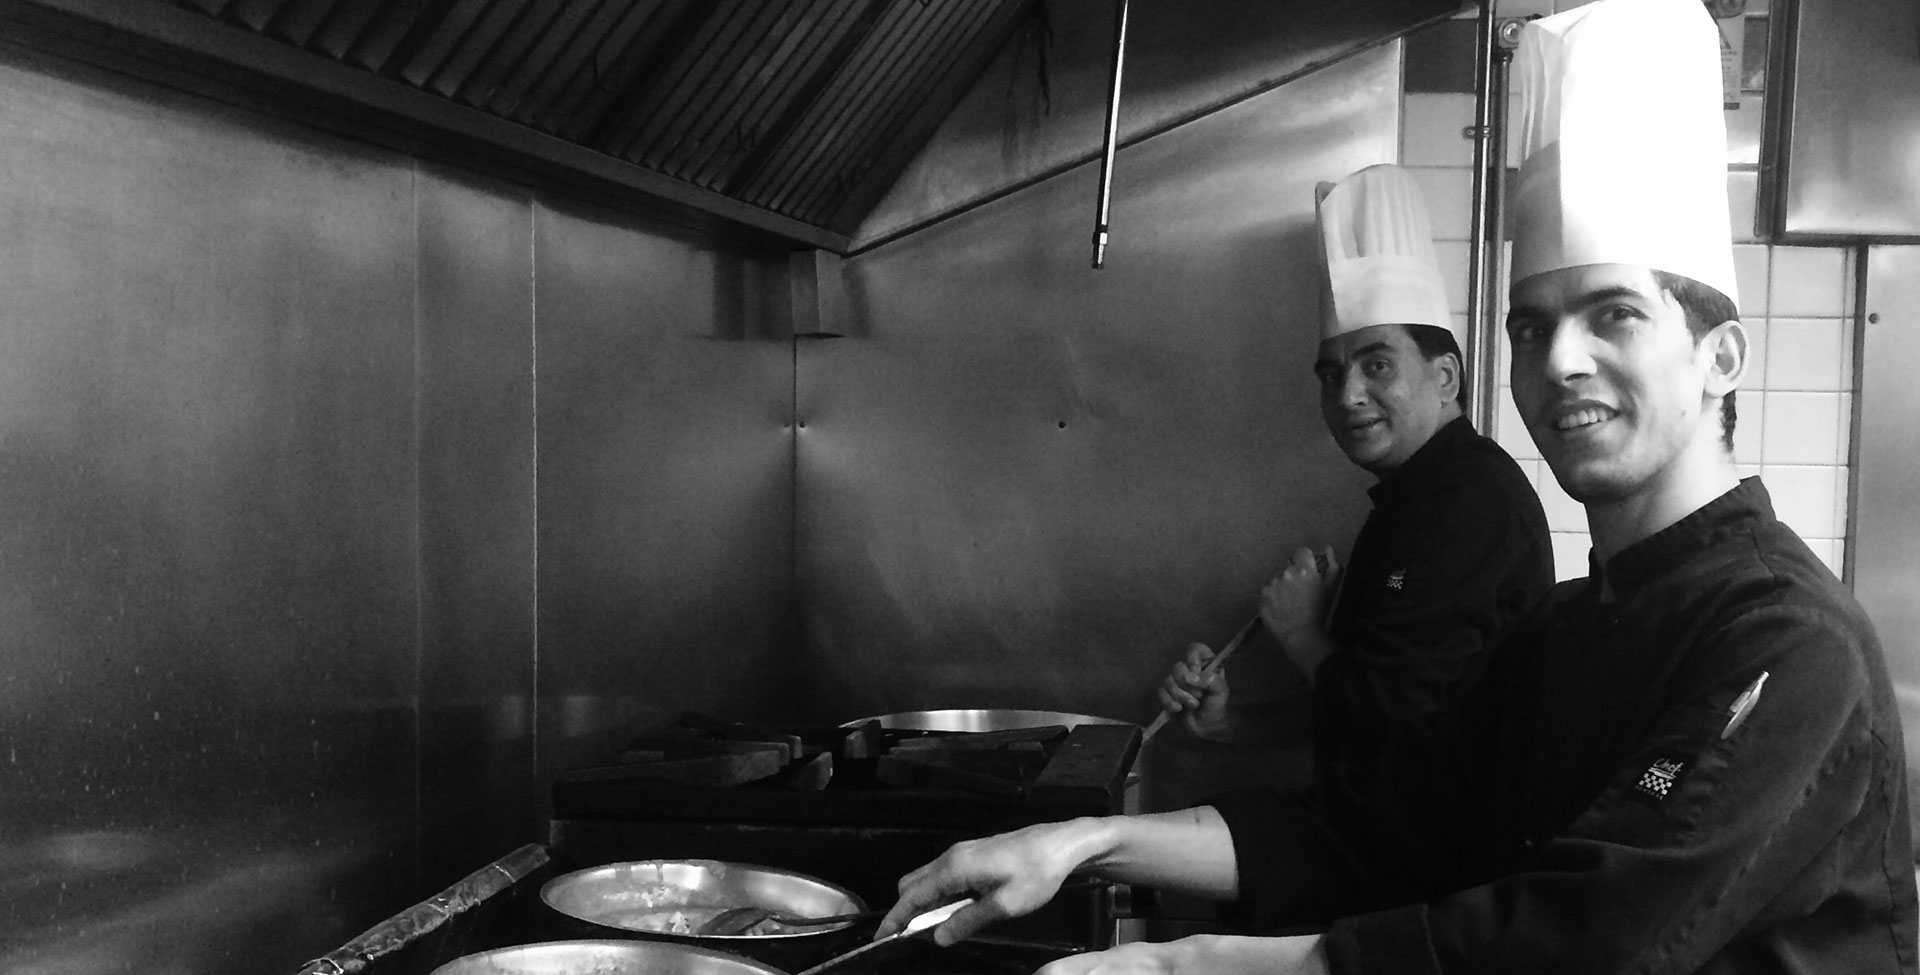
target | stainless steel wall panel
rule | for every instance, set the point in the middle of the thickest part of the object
(1035, 111)
(477, 521)
(206, 359)
(1023, 483)
(272, 660)
(1885, 534)
(665, 465)
(1845, 163)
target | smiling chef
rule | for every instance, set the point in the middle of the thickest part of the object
(1454, 552)
(1689, 761)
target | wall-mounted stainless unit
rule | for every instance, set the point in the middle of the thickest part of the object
(1884, 556)
(1844, 140)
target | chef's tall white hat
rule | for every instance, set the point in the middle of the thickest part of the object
(1626, 146)
(1378, 244)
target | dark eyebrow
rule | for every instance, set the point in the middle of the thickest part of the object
(1614, 293)
(1325, 363)
(1598, 296)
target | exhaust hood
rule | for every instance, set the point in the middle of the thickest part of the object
(787, 119)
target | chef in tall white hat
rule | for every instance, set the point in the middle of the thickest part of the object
(1623, 186)
(1455, 549)
(1690, 762)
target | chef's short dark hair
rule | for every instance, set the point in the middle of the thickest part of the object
(1705, 308)
(1434, 342)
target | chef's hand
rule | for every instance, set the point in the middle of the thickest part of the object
(1011, 874)
(1297, 599)
(1201, 955)
(1200, 701)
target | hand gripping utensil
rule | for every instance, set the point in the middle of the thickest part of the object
(1219, 659)
(1246, 633)
(924, 921)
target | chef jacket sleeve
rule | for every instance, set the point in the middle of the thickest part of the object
(1452, 570)
(1697, 838)
(1388, 833)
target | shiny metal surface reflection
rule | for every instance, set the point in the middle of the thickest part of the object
(477, 497)
(1041, 106)
(1844, 144)
(1026, 484)
(1884, 540)
(665, 454)
(269, 451)
(604, 958)
(207, 463)
(643, 896)
(980, 719)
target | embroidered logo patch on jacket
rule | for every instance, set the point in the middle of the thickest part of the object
(1397, 579)
(1660, 778)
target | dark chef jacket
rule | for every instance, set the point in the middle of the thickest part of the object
(1454, 552)
(1585, 811)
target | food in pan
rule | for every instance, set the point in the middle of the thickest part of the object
(677, 898)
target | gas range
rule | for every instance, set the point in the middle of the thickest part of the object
(857, 807)
(892, 799)
(499, 906)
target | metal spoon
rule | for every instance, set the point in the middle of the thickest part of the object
(924, 921)
(740, 920)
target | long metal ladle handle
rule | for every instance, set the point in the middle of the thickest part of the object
(923, 921)
(1112, 140)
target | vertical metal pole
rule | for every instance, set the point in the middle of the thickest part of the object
(1479, 351)
(1113, 137)
(1489, 325)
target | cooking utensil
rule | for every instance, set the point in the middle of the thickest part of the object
(923, 921)
(979, 719)
(604, 958)
(1321, 564)
(670, 900)
(740, 920)
(1219, 659)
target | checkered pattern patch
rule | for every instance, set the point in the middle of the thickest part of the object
(1660, 777)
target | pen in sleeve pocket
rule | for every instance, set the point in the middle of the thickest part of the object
(1743, 705)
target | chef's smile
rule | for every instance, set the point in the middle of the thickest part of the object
(1582, 419)
(1363, 427)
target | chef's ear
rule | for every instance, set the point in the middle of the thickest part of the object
(1450, 372)
(1726, 348)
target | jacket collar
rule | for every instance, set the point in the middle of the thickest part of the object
(1431, 455)
(1633, 567)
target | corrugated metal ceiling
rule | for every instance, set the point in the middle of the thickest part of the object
(806, 108)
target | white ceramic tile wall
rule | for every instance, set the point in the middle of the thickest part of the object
(1795, 406)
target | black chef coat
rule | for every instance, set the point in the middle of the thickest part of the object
(1454, 552)
(1585, 810)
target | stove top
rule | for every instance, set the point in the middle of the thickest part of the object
(500, 906)
(858, 807)
(705, 769)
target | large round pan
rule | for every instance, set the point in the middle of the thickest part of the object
(980, 719)
(667, 900)
(605, 958)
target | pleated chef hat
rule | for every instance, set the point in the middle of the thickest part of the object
(1626, 146)
(1378, 245)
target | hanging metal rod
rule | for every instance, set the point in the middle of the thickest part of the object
(1100, 225)
(1478, 348)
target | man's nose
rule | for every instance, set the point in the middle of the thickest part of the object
(1353, 388)
(1569, 352)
